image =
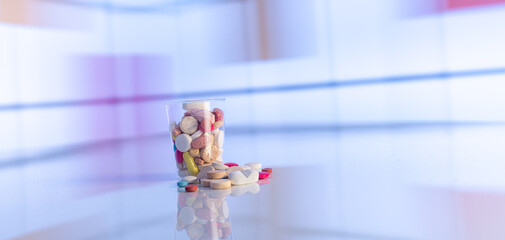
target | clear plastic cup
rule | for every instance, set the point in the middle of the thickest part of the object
(197, 128)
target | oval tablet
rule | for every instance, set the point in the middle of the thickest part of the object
(183, 142)
(189, 125)
(268, 170)
(187, 215)
(220, 184)
(190, 164)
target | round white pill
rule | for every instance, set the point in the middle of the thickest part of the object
(188, 124)
(183, 142)
(187, 215)
(219, 139)
(196, 134)
(198, 105)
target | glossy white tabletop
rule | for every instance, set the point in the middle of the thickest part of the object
(431, 181)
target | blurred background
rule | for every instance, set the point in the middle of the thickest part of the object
(83, 72)
(80, 79)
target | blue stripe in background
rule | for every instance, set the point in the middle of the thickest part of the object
(258, 90)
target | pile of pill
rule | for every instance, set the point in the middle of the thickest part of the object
(223, 176)
(198, 138)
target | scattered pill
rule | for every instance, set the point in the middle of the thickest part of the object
(268, 170)
(181, 189)
(220, 184)
(254, 165)
(205, 182)
(216, 174)
(263, 175)
(243, 177)
(230, 164)
(233, 169)
(191, 188)
(189, 179)
(182, 183)
(203, 171)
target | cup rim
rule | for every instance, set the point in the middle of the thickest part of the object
(195, 100)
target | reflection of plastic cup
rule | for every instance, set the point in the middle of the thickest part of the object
(197, 128)
(200, 216)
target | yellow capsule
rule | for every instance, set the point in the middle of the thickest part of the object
(173, 136)
(190, 164)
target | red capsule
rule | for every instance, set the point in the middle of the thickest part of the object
(230, 164)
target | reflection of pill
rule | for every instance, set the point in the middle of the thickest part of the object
(183, 142)
(230, 164)
(191, 188)
(181, 189)
(189, 125)
(268, 170)
(189, 179)
(216, 174)
(263, 175)
(220, 184)
(205, 182)
(187, 215)
(190, 164)
(195, 230)
(182, 183)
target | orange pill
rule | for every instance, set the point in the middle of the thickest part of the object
(191, 188)
(268, 170)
